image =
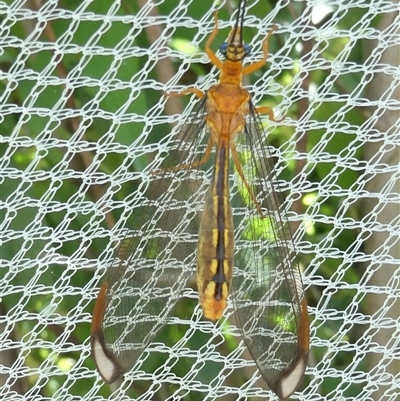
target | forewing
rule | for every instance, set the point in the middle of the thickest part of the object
(156, 257)
(268, 293)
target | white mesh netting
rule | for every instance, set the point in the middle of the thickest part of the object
(82, 117)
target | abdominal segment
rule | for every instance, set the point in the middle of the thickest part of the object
(215, 249)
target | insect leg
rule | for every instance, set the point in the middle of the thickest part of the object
(236, 161)
(199, 93)
(258, 64)
(212, 56)
(269, 111)
(197, 163)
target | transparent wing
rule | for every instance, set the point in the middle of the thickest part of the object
(156, 257)
(267, 288)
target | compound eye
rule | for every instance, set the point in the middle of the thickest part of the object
(223, 48)
(247, 50)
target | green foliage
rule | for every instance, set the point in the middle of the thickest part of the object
(57, 279)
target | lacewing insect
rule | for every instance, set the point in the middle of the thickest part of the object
(246, 253)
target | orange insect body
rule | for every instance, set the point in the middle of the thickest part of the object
(227, 105)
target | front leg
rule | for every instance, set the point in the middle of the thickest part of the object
(199, 93)
(258, 64)
(211, 55)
